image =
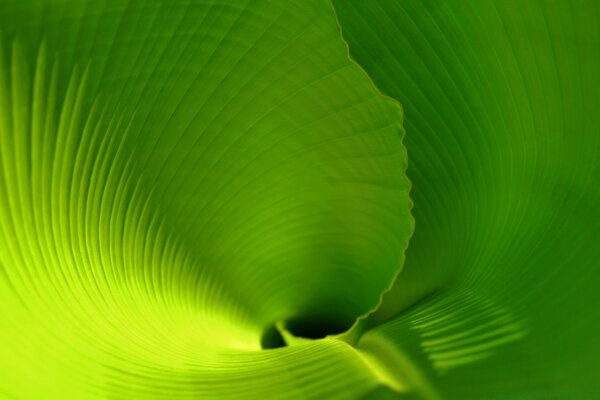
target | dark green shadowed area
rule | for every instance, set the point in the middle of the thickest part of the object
(498, 293)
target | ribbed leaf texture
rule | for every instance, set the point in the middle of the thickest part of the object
(209, 199)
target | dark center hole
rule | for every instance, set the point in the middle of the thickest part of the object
(310, 327)
(317, 327)
(271, 338)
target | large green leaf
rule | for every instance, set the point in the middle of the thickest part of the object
(176, 178)
(499, 293)
(184, 184)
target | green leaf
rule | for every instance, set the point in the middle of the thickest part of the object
(175, 179)
(498, 294)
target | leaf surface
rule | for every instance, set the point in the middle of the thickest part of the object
(176, 177)
(497, 298)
